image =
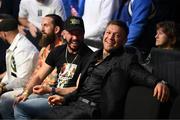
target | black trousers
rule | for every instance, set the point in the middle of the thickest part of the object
(75, 110)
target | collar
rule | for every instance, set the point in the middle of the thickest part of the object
(15, 42)
(45, 2)
(116, 51)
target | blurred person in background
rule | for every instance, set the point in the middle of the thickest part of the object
(31, 13)
(21, 59)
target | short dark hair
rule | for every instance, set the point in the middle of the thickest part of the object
(57, 20)
(120, 24)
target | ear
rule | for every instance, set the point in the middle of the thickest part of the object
(57, 29)
(63, 34)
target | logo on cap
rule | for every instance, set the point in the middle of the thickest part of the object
(74, 21)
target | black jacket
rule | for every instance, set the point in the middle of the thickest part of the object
(124, 71)
(121, 72)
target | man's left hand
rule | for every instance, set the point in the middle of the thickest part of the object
(161, 92)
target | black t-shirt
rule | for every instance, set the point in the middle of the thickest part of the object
(68, 65)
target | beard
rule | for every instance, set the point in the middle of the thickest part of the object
(46, 40)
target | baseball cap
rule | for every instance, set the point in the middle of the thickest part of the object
(7, 22)
(74, 23)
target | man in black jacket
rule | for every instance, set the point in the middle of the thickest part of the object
(103, 84)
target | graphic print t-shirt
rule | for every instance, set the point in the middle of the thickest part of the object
(66, 73)
(65, 69)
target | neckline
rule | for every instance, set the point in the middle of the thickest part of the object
(67, 57)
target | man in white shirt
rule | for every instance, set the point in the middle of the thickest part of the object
(21, 59)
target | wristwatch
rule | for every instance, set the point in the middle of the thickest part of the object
(53, 90)
(164, 82)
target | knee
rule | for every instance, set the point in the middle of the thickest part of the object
(18, 111)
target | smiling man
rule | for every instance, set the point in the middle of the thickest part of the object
(104, 83)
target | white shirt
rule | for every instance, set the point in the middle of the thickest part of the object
(97, 13)
(21, 59)
(34, 10)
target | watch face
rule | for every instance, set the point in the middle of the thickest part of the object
(53, 90)
(164, 82)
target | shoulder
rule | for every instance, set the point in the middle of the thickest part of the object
(25, 45)
(56, 3)
(141, 2)
(26, 2)
(27, 5)
(58, 49)
(124, 58)
(85, 50)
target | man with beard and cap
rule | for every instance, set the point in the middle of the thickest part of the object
(21, 59)
(52, 26)
(68, 59)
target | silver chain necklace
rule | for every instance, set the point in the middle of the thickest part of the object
(67, 59)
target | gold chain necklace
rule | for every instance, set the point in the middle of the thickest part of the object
(66, 57)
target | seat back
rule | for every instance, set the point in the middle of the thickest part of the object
(166, 65)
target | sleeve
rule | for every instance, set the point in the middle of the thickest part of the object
(23, 9)
(140, 13)
(70, 97)
(81, 7)
(107, 10)
(59, 9)
(140, 75)
(49, 60)
(25, 64)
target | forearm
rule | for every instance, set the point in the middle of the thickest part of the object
(24, 22)
(65, 91)
(2, 75)
(140, 76)
(34, 80)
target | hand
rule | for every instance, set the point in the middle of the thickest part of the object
(33, 30)
(22, 97)
(55, 100)
(21, 29)
(40, 89)
(73, 11)
(161, 92)
(2, 87)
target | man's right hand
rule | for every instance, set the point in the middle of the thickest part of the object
(55, 100)
(1, 87)
(33, 30)
(22, 97)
